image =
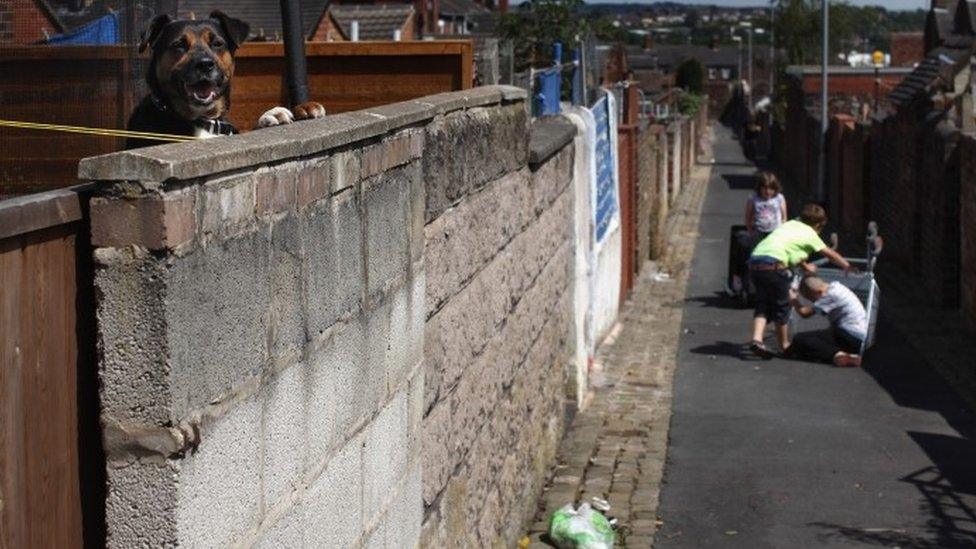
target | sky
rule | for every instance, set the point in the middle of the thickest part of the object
(890, 4)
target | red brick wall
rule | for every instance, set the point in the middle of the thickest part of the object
(627, 168)
(852, 84)
(907, 48)
(853, 185)
(906, 174)
(6, 22)
(967, 215)
(915, 197)
(28, 23)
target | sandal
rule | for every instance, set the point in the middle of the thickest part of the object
(759, 349)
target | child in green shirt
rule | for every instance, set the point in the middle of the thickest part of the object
(770, 268)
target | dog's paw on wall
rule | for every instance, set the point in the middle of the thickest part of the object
(280, 115)
(309, 109)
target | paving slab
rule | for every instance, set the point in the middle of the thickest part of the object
(614, 448)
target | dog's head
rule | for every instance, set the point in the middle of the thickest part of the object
(193, 62)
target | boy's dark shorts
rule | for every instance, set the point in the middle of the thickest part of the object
(773, 294)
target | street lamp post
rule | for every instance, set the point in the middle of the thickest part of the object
(751, 60)
(738, 73)
(824, 49)
(772, 48)
(748, 26)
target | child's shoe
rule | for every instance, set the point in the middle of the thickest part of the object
(759, 349)
(846, 360)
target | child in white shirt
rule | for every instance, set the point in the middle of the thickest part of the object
(848, 323)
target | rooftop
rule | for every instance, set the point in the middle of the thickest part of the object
(263, 16)
(376, 21)
(670, 55)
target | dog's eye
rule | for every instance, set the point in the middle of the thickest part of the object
(179, 45)
(217, 43)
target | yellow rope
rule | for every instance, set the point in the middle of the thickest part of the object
(95, 131)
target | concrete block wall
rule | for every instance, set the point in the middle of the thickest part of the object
(500, 267)
(267, 307)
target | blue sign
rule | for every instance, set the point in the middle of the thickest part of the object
(605, 207)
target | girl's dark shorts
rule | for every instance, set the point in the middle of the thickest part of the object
(773, 294)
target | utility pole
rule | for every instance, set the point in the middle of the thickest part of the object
(750, 58)
(822, 161)
(748, 26)
(738, 41)
(772, 50)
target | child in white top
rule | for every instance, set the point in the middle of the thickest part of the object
(765, 211)
(766, 208)
(848, 323)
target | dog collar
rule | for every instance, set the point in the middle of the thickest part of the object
(217, 127)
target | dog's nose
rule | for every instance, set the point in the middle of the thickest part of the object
(206, 64)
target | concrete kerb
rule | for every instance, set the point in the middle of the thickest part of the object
(152, 166)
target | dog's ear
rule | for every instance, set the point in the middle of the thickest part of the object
(151, 32)
(235, 30)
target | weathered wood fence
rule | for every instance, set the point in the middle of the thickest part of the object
(98, 86)
(51, 464)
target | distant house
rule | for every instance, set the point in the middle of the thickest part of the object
(463, 17)
(374, 21)
(27, 21)
(264, 16)
(655, 67)
(907, 48)
(721, 62)
(939, 23)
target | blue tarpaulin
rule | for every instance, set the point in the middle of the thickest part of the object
(100, 32)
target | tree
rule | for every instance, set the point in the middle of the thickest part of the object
(690, 76)
(535, 25)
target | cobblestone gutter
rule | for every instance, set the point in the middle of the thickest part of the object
(616, 447)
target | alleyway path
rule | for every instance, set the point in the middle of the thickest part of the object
(615, 448)
(762, 453)
(790, 454)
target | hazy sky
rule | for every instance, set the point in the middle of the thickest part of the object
(890, 4)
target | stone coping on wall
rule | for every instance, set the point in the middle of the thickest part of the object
(153, 166)
(548, 135)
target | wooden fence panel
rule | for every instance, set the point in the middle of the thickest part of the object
(97, 86)
(48, 394)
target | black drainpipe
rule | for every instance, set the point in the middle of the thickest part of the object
(295, 67)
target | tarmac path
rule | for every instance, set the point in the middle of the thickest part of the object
(791, 454)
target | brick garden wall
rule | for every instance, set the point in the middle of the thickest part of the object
(914, 190)
(314, 335)
(967, 228)
(903, 171)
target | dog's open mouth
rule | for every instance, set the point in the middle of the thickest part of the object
(203, 92)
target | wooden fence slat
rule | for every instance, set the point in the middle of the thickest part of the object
(48, 390)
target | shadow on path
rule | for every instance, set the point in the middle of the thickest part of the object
(790, 454)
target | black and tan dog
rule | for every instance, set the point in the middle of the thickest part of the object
(189, 79)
